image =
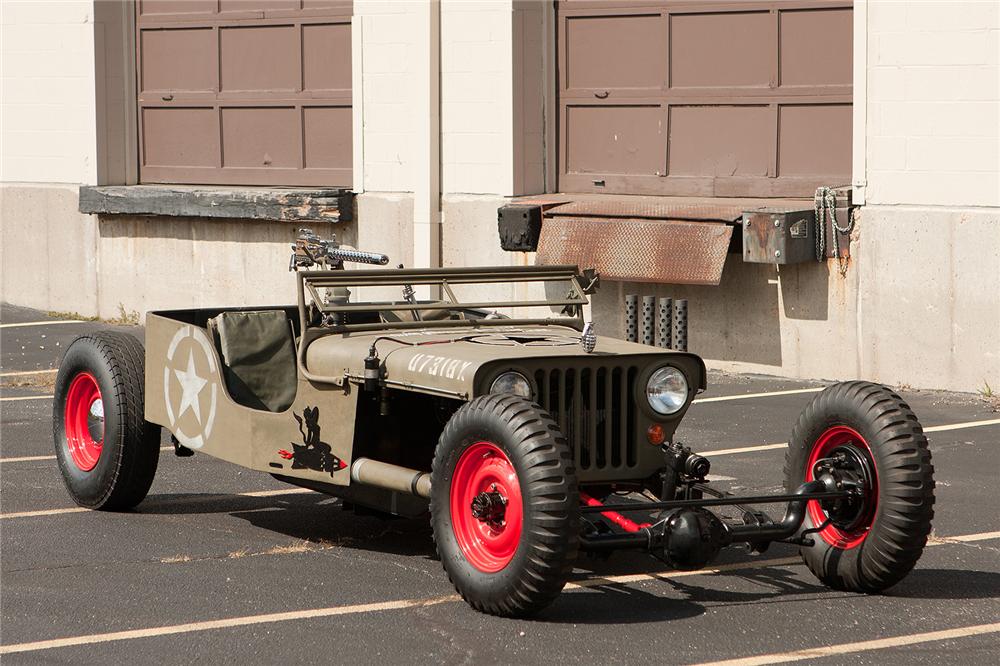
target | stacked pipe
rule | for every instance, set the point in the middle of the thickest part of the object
(664, 324)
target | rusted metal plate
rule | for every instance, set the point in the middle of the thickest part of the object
(638, 250)
(658, 210)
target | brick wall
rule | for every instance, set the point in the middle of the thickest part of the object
(47, 108)
(934, 102)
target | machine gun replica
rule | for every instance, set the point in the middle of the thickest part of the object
(310, 250)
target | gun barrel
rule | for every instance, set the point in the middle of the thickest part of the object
(359, 257)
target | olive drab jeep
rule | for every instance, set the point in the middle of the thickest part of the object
(482, 398)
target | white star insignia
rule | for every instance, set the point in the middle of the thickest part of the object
(191, 386)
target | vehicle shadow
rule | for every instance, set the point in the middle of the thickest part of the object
(617, 604)
(952, 584)
(207, 503)
(308, 517)
(321, 519)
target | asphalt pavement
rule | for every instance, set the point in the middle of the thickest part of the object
(223, 565)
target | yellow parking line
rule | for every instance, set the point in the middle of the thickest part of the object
(862, 646)
(594, 581)
(226, 623)
(959, 426)
(42, 512)
(24, 373)
(27, 397)
(782, 445)
(79, 509)
(50, 457)
(744, 449)
(42, 323)
(766, 394)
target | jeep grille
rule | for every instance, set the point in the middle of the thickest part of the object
(596, 412)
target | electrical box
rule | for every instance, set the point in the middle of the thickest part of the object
(779, 236)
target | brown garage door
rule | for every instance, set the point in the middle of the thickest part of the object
(704, 98)
(244, 92)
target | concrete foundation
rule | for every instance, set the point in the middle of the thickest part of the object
(919, 303)
(49, 250)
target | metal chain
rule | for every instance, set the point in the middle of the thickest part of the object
(820, 225)
(825, 204)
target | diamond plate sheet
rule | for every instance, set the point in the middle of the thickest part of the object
(638, 250)
(658, 210)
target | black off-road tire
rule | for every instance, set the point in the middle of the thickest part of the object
(127, 460)
(532, 444)
(901, 518)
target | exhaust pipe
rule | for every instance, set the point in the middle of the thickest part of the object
(391, 477)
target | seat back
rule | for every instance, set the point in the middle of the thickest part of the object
(258, 358)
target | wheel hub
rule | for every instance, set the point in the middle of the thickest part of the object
(842, 458)
(486, 506)
(83, 420)
(489, 507)
(851, 471)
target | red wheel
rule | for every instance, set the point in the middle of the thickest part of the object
(84, 414)
(849, 521)
(870, 441)
(504, 505)
(486, 507)
(106, 450)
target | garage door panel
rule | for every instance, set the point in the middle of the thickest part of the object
(263, 137)
(185, 137)
(615, 51)
(168, 7)
(326, 56)
(725, 49)
(615, 139)
(257, 5)
(327, 4)
(327, 137)
(750, 86)
(262, 58)
(816, 47)
(720, 141)
(230, 89)
(811, 140)
(178, 60)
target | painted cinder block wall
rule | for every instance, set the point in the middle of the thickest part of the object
(919, 303)
(48, 147)
(929, 301)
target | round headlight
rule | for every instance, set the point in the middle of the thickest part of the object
(512, 382)
(667, 390)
